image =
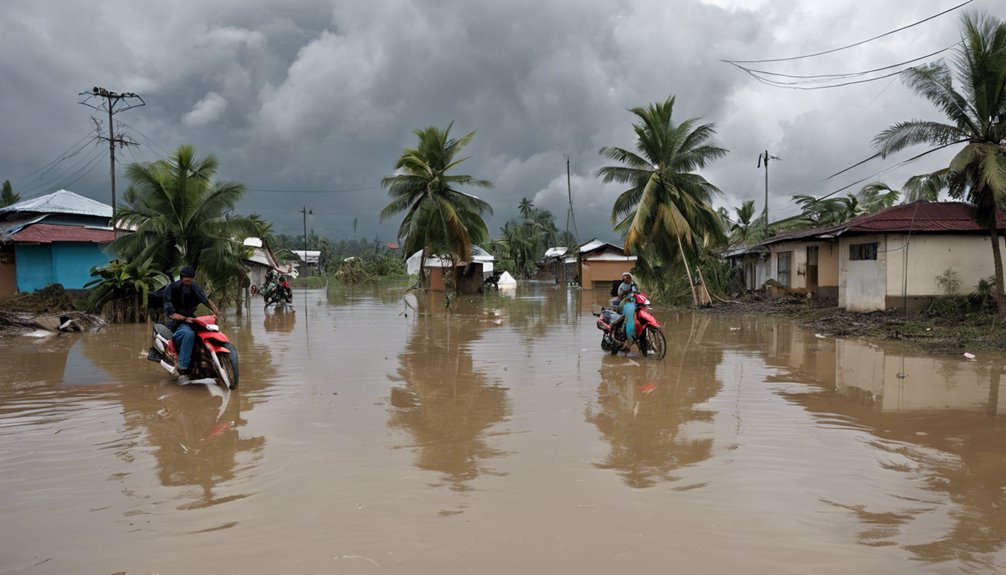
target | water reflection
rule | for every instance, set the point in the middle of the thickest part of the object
(445, 403)
(280, 320)
(934, 424)
(649, 411)
(194, 430)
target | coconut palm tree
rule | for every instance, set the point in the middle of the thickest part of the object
(740, 229)
(180, 215)
(975, 114)
(439, 219)
(525, 207)
(925, 187)
(877, 196)
(668, 205)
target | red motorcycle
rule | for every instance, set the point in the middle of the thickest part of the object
(649, 338)
(213, 355)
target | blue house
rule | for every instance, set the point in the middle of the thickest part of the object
(55, 238)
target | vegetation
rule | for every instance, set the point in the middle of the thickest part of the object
(439, 219)
(524, 241)
(181, 216)
(974, 113)
(122, 289)
(8, 196)
(667, 212)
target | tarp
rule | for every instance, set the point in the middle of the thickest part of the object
(506, 281)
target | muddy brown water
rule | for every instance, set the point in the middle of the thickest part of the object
(375, 434)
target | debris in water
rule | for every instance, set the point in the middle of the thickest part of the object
(819, 336)
(648, 388)
(969, 355)
(367, 559)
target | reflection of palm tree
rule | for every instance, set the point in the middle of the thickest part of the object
(445, 403)
(646, 428)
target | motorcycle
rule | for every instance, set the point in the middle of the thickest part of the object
(213, 355)
(649, 338)
(276, 291)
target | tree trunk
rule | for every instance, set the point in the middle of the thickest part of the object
(997, 253)
(691, 283)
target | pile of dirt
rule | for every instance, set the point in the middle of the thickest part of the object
(52, 299)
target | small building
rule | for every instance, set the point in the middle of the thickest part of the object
(752, 264)
(468, 276)
(310, 261)
(261, 261)
(601, 263)
(52, 239)
(804, 263)
(887, 260)
(559, 265)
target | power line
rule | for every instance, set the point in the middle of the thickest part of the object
(61, 176)
(62, 156)
(853, 45)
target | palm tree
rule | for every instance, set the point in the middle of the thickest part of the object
(526, 207)
(180, 215)
(877, 196)
(7, 195)
(975, 115)
(439, 219)
(925, 187)
(745, 217)
(668, 202)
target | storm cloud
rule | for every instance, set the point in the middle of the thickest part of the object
(309, 103)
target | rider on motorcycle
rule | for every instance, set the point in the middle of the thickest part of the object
(627, 307)
(180, 302)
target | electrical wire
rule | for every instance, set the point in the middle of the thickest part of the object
(853, 45)
(44, 185)
(342, 191)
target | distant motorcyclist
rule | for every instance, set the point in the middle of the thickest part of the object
(180, 302)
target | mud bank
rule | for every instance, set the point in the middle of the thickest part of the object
(943, 335)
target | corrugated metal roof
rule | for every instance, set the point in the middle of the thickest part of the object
(61, 202)
(555, 252)
(917, 217)
(48, 233)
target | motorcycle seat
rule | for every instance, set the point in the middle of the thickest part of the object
(611, 317)
(163, 330)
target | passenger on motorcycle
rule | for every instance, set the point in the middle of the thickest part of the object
(627, 307)
(180, 302)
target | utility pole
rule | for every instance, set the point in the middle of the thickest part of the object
(305, 212)
(764, 157)
(112, 103)
(569, 213)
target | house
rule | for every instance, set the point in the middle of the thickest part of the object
(52, 239)
(752, 264)
(468, 276)
(310, 260)
(804, 263)
(887, 260)
(261, 261)
(559, 265)
(601, 263)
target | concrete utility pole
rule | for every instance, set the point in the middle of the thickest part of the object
(111, 102)
(764, 157)
(569, 214)
(305, 211)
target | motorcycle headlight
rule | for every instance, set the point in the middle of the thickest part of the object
(212, 327)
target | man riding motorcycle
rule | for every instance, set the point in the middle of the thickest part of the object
(180, 302)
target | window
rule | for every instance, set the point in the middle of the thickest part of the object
(785, 260)
(863, 251)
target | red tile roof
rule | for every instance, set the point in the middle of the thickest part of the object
(917, 217)
(49, 233)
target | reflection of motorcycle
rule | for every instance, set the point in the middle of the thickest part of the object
(276, 291)
(649, 338)
(213, 356)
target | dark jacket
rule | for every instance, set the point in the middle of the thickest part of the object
(182, 299)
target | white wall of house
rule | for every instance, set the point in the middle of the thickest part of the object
(929, 255)
(862, 284)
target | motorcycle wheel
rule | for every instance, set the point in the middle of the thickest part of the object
(654, 344)
(229, 363)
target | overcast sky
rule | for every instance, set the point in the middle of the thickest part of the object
(324, 95)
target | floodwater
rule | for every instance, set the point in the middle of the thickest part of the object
(372, 433)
